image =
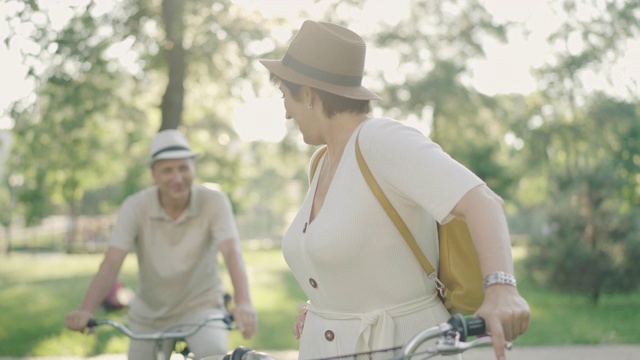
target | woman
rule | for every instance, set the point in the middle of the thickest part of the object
(366, 290)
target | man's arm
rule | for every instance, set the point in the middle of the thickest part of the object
(244, 313)
(98, 289)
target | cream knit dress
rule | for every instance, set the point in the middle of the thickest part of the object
(365, 288)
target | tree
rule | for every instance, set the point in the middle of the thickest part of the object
(433, 47)
(173, 99)
(66, 139)
(583, 143)
(99, 79)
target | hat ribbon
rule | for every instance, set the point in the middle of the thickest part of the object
(343, 80)
(170, 148)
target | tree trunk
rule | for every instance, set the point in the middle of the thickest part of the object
(173, 98)
(595, 295)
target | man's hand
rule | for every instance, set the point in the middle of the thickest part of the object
(78, 320)
(246, 319)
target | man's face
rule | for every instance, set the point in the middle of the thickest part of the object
(173, 178)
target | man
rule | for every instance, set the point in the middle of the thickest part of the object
(176, 229)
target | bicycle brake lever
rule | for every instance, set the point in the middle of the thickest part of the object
(253, 355)
(456, 347)
(485, 341)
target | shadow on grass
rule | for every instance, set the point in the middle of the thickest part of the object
(34, 298)
(32, 311)
(568, 319)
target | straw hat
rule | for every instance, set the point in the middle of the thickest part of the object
(325, 56)
(170, 144)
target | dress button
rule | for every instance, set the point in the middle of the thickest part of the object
(329, 335)
(304, 230)
(313, 283)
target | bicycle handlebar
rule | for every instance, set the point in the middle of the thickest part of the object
(163, 335)
(452, 336)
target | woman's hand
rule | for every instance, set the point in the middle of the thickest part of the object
(299, 324)
(506, 314)
(246, 319)
(78, 320)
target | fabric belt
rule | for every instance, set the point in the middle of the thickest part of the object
(382, 319)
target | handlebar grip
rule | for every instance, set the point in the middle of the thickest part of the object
(239, 352)
(475, 326)
(97, 322)
(245, 353)
(467, 326)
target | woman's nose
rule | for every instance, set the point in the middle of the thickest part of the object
(288, 117)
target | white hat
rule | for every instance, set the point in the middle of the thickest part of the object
(170, 144)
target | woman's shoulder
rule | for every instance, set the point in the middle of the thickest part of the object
(387, 133)
(386, 128)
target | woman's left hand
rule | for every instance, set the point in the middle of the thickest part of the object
(246, 319)
(299, 324)
(506, 314)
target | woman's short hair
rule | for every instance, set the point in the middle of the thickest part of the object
(331, 103)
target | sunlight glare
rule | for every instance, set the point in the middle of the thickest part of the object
(285, 8)
(260, 119)
(507, 67)
(381, 11)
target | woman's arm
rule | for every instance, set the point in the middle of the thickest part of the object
(507, 314)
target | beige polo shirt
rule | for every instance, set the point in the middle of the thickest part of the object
(177, 259)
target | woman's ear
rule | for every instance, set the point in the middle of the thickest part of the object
(309, 96)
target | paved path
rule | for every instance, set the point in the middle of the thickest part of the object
(579, 352)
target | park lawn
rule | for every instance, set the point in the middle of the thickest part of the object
(37, 290)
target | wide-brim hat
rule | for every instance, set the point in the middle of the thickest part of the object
(170, 144)
(325, 56)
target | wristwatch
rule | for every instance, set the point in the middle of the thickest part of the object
(498, 278)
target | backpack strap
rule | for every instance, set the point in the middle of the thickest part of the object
(315, 161)
(395, 217)
(386, 204)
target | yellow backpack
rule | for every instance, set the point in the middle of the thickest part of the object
(458, 279)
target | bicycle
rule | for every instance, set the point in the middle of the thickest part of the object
(178, 336)
(451, 340)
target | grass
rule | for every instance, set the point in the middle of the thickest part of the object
(569, 319)
(36, 291)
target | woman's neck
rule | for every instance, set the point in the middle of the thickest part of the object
(340, 130)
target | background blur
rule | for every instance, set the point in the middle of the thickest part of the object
(539, 98)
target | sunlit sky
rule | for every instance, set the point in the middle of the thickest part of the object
(505, 69)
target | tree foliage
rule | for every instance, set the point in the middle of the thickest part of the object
(99, 80)
(434, 46)
(564, 157)
(585, 145)
(66, 140)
